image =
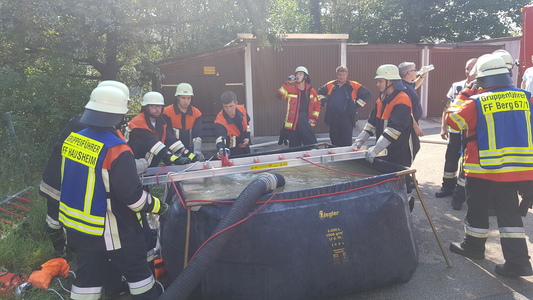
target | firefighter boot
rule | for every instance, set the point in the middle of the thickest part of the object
(470, 247)
(514, 270)
(448, 185)
(458, 197)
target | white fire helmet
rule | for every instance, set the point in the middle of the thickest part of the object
(184, 89)
(301, 69)
(388, 72)
(153, 98)
(507, 58)
(116, 84)
(106, 107)
(490, 64)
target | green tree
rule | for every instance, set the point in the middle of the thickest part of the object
(409, 21)
(55, 51)
(287, 16)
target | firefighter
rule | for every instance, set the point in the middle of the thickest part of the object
(451, 184)
(185, 119)
(231, 127)
(303, 109)
(152, 139)
(526, 188)
(101, 201)
(342, 98)
(390, 120)
(50, 187)
(498, 157)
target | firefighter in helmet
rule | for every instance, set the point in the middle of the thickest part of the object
(499, 156)
(185, 119)
(152, 138)
(390, 120)
(303, 109)
(50, 186)
(102, 198)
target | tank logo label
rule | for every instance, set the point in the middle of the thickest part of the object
(335, 238)
(268, 166)
(323, 215)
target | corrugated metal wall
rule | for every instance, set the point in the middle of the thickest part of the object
(270, 69)
(363, 60)
(449, 62)
(449, 68)
(228, 69)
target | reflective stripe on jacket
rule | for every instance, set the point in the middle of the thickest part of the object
(101, 195)
(291, 93)
(385, 121)
(84, 195)
(504, 133)
(392, 118)
(500, 135)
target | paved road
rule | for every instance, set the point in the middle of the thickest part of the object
(466, 279)
(432, 279)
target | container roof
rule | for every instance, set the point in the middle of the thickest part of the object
(300, 36)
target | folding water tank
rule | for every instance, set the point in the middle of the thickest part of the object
(310, 243)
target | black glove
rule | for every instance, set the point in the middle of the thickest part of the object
(191, 156)
(163, 210)
(172, 159)
(180, 160)
(169, 158)
(157, 207)
(283, 136)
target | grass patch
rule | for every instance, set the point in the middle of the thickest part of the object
(26, 246)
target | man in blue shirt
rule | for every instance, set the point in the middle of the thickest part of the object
(342, 98)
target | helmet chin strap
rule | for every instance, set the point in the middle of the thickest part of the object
(384, 93)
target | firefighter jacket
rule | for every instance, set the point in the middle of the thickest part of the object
(50, 186)
(291, 93)
(497, 130)
(186, 126)
(357, 96)
(231, 132)
(149, 142)
(458, 93)
(101, 195)
(391, 117)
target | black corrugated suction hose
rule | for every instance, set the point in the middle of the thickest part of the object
(187, 281)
